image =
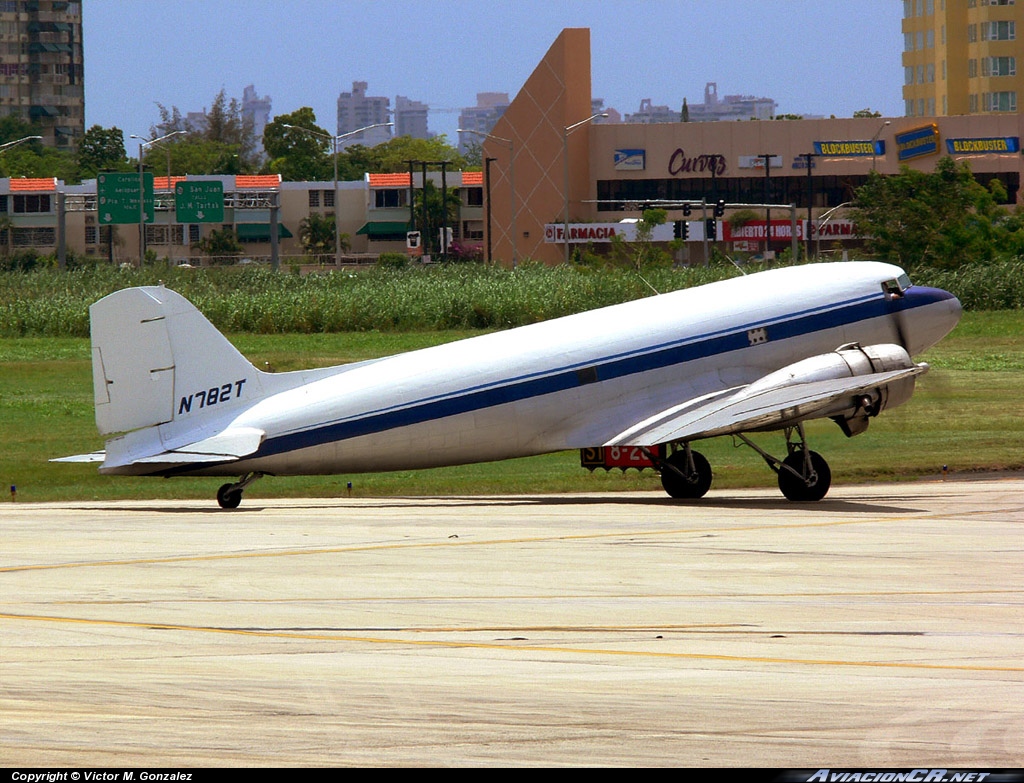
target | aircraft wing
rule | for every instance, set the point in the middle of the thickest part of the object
(752, 407)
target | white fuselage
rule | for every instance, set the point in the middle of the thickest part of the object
(578, 381)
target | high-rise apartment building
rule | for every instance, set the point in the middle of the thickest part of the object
(411, 118)
(256, 109)
(41, 67)
(358, 110)
(961, 56)
(490, 106)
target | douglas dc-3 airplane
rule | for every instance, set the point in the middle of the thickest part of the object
(761, 352)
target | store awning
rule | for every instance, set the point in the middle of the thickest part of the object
(384, 230)
(260, 232)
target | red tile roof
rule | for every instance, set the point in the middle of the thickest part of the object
(261, 181)
(472, 178)
(160, 183)
(34, 184)
(389, 180)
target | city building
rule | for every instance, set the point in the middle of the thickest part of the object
(600, 173)
(960, 57)
(358, 110)
(41, 213)
(713, 109)
(411, 118)
(490, 106)
(257, 111)
(41, 68)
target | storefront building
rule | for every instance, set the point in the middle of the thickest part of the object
(607, 172)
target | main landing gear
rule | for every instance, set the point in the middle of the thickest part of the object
(230, 495)
(686, 474)
(804, 475)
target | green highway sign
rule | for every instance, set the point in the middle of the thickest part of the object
(117, 197)
(199, 201)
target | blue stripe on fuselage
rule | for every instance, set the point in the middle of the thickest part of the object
(608, 368)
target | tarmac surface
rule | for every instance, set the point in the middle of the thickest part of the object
(881, 627)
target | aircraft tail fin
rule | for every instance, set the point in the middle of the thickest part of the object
(156, 360)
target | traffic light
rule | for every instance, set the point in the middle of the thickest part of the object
(711, 228)
(720, 208)
(681, 229)
(686, 210)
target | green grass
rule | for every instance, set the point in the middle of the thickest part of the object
(967, 413)
(255, 300)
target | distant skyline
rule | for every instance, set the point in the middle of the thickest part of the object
(822, 58)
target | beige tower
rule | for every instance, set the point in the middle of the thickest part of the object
(962, 56)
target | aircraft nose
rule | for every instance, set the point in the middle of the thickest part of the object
(933, 314)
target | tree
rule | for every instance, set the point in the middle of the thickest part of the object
(221, 247)
(684, 113)
(866, 113)
(296, 155)
(436, 206)
(316, 233)
(474, 157)
(192, 154)
(394, 156)
(101, 149)
(942, 219)
(221, 141)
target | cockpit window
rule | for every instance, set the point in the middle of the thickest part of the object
(894, 289)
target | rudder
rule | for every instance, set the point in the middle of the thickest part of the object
(156, 359)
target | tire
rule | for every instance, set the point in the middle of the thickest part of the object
(227, 497)
(798, 489)
(688, 487)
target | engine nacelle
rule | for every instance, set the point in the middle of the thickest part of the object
(852, 413)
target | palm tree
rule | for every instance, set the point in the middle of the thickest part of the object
(430, 200)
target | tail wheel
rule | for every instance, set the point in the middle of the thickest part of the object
(804, 487)
(681, 482)
(228, 496)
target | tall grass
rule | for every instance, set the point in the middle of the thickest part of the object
(466, 296)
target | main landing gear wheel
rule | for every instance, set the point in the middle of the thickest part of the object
(802, 482)
(683, 481)
(230, 495)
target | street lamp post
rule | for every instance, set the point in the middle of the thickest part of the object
(144, 142)
(16, 142)
(511, 184)
(767, 158)
(334, 141)
(809, 161)
(565, 160)
(875, 139)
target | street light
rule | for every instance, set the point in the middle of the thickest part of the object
(334, 140)
(767, 158)
(511, 181)
(874, 139)
(16, 142)
(823, 220)
(565, 158)
(144, 142)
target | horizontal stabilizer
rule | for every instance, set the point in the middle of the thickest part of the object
(96, 456)
(749, 409)
(144, 447)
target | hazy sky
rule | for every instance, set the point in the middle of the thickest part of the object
(822, 57)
